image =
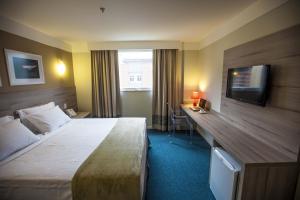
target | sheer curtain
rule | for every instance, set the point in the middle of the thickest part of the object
(167, 86)
(105, 83)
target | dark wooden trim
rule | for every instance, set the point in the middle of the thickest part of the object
(271, 182)
(10, 101)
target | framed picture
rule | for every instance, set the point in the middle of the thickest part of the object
(24, 68)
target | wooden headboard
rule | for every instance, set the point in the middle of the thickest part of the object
(278, 123)
(12, 101)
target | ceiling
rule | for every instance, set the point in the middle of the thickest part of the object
(123, 20)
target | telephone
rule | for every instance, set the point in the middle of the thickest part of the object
(71, 112)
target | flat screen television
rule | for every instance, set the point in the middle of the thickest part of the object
(248, 84)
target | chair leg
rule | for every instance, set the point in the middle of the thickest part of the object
(190, 125)
(191, 132)
(174, 128)
(173, 131)
(149, 142)
(186, 128)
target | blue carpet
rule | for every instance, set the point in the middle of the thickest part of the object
(178, 170)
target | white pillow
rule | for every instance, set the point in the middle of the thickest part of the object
(48, 120)
(32, 110)
(6, 119)
(13, 137)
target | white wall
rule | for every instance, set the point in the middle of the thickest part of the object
(83, 80)
(191, 73)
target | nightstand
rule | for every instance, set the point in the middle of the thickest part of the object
(81, 115)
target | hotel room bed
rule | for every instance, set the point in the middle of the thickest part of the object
(45, 169)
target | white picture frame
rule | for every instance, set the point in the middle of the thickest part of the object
(24, 68)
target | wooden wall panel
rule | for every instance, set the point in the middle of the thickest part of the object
(269, 182)
(277, 124)
(50, 56)
(59, 89)
(12, 101)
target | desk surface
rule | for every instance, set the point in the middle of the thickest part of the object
(241, 145)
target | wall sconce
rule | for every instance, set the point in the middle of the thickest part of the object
(61, 68)
(202, 86)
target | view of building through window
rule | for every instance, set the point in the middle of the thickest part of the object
(135, 69)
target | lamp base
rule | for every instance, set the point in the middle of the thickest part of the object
(195, 103)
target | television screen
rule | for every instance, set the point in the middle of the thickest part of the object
(248, 84)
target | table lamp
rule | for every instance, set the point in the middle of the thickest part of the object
(195, 97)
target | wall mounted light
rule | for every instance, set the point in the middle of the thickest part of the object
(235, 73)
(202, 86)
(61, 68)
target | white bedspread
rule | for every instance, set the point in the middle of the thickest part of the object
(45, 169)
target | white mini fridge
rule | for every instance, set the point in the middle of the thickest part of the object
(224, 171)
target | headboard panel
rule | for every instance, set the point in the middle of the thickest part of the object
(277, 124)
(12, 101)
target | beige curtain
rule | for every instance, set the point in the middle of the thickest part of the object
(105, 83)
(167, 86)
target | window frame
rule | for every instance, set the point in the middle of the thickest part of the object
(136, 89)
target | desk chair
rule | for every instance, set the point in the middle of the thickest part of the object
(179, 120)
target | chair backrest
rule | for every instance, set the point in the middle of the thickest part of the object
(171, 111)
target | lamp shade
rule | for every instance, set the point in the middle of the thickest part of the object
(61, 68)
(196, 95)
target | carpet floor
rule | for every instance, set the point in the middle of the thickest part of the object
(178, 170)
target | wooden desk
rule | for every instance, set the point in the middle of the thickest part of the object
(266, 172)
(245, 148)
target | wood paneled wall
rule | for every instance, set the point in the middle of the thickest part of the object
(278, 123)
(59, 89)
(12, 101)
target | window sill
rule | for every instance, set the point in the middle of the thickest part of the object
(136, 90)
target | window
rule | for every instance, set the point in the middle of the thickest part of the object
(135, 70)
(131, 78)
(139, 78)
